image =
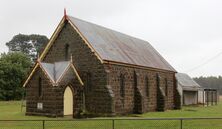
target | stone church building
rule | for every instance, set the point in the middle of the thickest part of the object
(89, 68)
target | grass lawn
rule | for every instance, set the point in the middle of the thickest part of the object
(12, 111)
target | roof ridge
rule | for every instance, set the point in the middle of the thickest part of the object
(109, 29)
(63, 71)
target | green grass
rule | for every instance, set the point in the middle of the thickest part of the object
(189, 111)
(12, 111)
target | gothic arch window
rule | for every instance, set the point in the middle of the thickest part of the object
(158, 80)
(147, 90)
(67, 51)
(40, 86)
(122, 85)
(89, 81)
(166, 87)
(135, 79)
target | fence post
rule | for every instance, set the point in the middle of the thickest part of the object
(181, 123)
(43, 124)
(113, 121)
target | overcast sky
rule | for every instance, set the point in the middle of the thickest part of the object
(187, 33)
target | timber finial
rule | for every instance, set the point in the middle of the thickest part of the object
(71, 58)
(65, 15)
(38, 58)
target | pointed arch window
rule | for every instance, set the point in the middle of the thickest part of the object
(89, 81)
(135, 79)
(67, 51)
(40, 86)
(147, 86)
(158, 80)
(122, 85)
(166, 87)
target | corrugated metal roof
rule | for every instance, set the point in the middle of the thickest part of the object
(115, 46)
(49, 68)
(186, 81)
(60, 68)
(55, 70)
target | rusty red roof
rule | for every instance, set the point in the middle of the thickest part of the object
(115, 46)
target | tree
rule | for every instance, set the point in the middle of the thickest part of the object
(28, 44)
(13, 70)
(210, 82)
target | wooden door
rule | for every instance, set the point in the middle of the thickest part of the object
(68, 101)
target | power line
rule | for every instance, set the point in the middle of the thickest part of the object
(204, 63)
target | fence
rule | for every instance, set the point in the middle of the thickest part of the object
(148, 123)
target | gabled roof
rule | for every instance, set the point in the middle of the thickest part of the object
(186, 81)
(110, 46)
(55, 70)
(118, 47)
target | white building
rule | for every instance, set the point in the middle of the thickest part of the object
(191, 92)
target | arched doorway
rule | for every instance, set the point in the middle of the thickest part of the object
(68, 101)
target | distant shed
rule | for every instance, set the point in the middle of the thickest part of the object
(208, 96)
(188, 89)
